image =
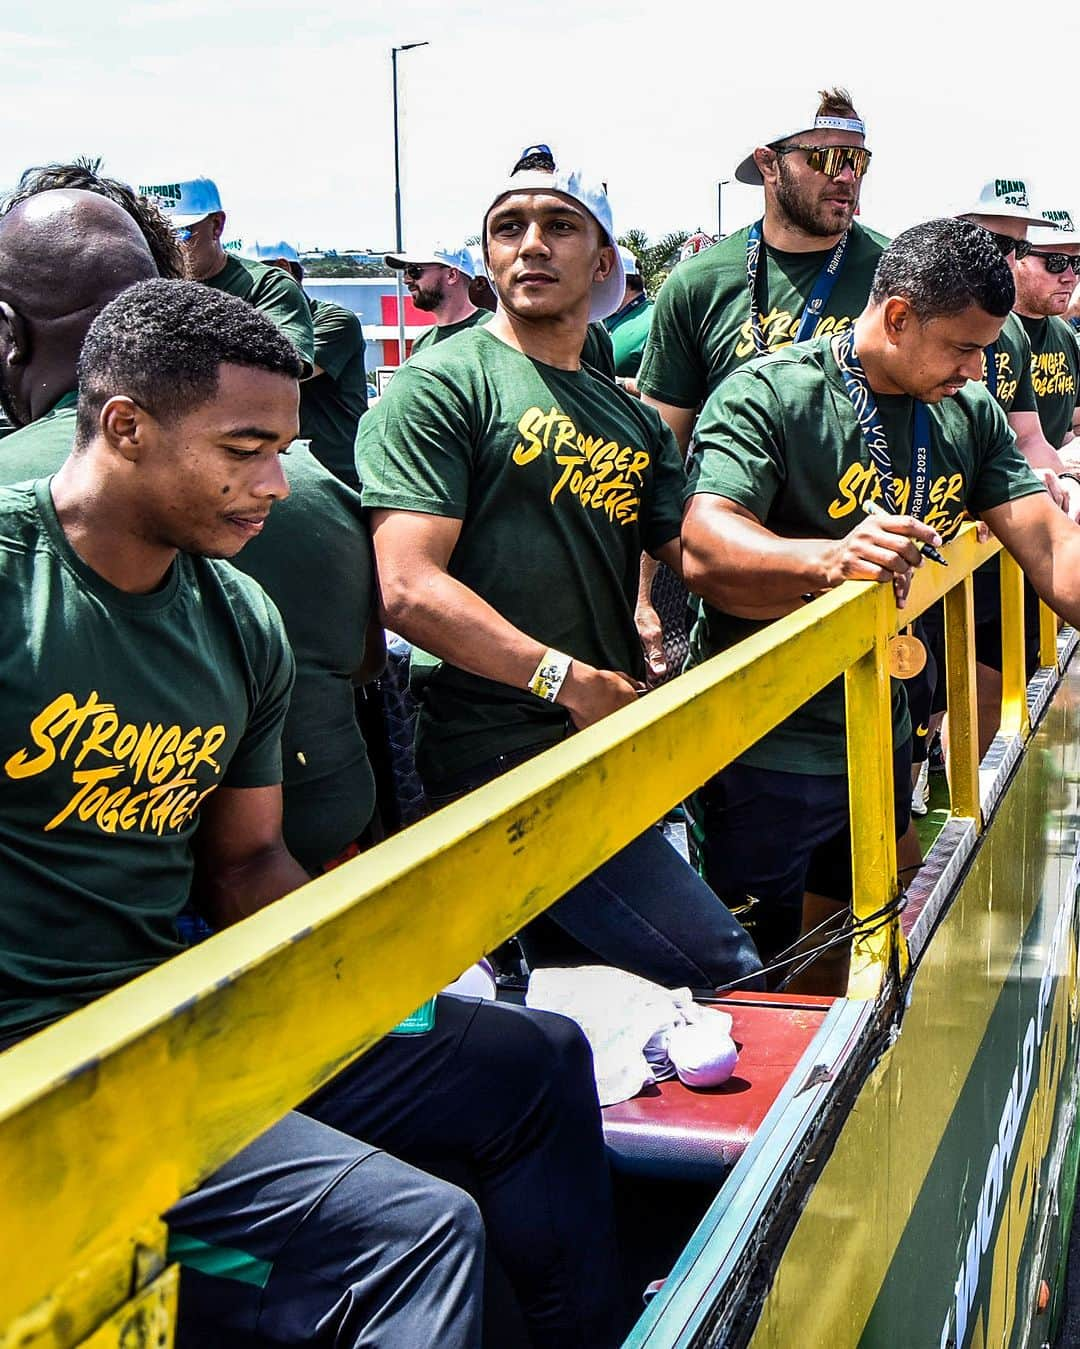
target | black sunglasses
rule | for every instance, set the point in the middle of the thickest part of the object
(1056, 263)
(415, 270)
(1007, 244)
(831, 160)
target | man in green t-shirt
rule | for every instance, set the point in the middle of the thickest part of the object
(194, 208)
(629, 325)
(512, 492)
(1003, 207)
(181, 390)
(804, 270)
(1045, 281)
(334, 399)
(776, 515)
(438, 278)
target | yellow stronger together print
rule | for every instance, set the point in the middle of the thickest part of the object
(164, 757)
(600, 473)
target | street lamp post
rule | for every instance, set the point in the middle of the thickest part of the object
(720, 207)
(407, 47)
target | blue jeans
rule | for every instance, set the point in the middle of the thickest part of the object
(645, 910)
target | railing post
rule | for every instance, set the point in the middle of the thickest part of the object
(1014, 708)
(875, 884)
(963, 749)
(1048, 631)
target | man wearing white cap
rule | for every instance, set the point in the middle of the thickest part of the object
(438, 279)
(334, 399)
(1003, 206)
(803, 270)
(629, 325)
(512, 493)
(1045, 281)
(193, 207)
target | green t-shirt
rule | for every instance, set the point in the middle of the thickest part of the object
(629, 329)
(120, 714)
(598, 353)
(277, 295)
(560, 480)
(1012, 353)
(313, 558)
(760, 444)
(332, 403)
(1055, 374)
(439, 332)
(701, 323)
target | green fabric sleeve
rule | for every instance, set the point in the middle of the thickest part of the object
(672, 370)
(257, 761)
(337, 338)
(669, 486)
(740, 449)
(280, 298)
(412, 449)
(1002, 473)
(599, 352)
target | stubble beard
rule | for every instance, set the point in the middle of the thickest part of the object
(803, 214)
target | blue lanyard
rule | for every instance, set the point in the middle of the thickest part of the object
(869, 419)
(819, 296)
(990, 353)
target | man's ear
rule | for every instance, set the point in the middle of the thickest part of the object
(605, 264)
(766, 160)
(218, 217)
(896, 317)
(14, 336)
(126, 428)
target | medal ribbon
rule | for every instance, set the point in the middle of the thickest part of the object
(869, 419)
(819, 296)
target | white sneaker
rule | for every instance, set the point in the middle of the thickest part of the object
(920, 793)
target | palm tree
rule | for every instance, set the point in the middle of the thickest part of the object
(655, 260)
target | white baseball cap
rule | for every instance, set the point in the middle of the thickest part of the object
(260, 252)
(1060, 230)
(184, 203)
(476, 254)
(444, 254)
(748, 171)
(1005, 197)
(607, 294)
(629, 262)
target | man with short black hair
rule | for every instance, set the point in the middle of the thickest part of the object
(512, 491)
(212, 643)
(803, 270)
(768, 526)
(194, 209)
(438, 279)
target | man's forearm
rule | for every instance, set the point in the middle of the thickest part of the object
(232, 893)
(754, 573)
(440, 615)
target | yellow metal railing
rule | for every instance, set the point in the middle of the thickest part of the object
(110, 1116)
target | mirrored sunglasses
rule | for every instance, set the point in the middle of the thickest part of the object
(1007, 244)
(1056, 263)
(831, 160)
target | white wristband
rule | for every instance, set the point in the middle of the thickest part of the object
(549, 675)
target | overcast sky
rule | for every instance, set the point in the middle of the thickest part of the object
(288, 105)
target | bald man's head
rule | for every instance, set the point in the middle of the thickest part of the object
(63, 256)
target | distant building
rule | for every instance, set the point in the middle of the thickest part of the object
(374, 300)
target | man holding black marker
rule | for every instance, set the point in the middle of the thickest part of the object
(929, 446)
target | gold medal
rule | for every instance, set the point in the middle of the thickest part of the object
(907, 655)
